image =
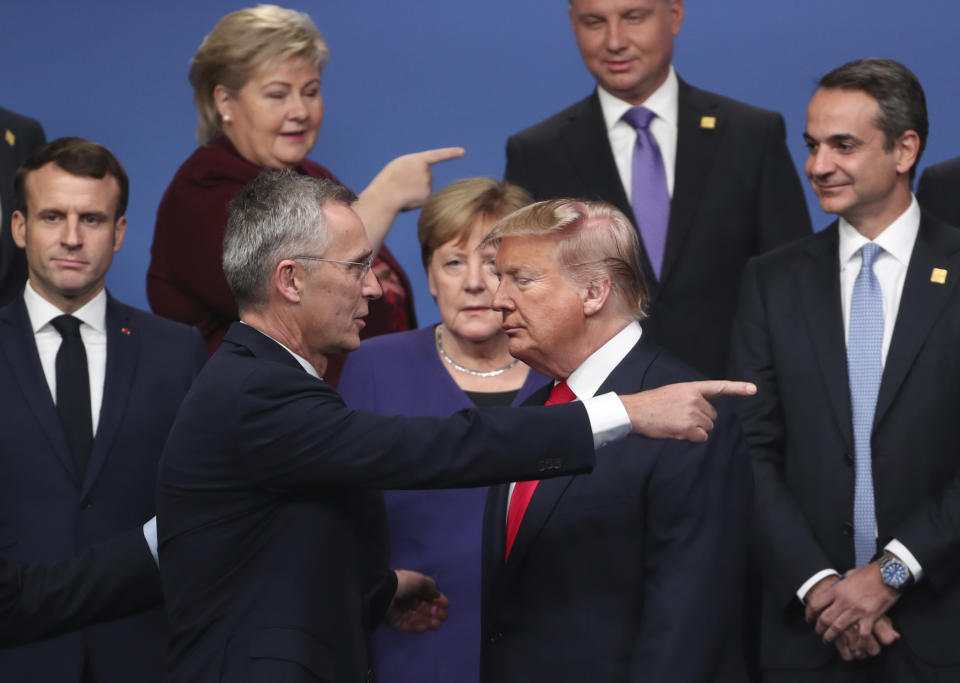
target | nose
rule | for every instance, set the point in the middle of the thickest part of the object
(298, 109)
(501, 301)
(819, 162)
(614, 37)
(474, 283)
(370, 287)
(70, 237)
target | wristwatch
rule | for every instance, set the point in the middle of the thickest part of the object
(894, 572)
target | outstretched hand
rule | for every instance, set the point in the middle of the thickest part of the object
(417, 605)
(680, 411)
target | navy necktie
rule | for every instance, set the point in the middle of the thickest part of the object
(865, 367)
(73, 391)
(649, 196)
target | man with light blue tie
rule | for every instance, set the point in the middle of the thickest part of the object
(852, 336)
(707, 180)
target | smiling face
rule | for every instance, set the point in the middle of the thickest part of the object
(627, 44)
(542, 311)
(274, 118)
(461, 279)
(851, 171)
(70, 234)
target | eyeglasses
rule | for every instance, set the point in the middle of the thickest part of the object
(361, 267)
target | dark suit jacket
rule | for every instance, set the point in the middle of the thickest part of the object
(736, 194)
(19, 137)
(106, 581)
(47, 514)
(939, 191)
(265, 512)
(789, 339)
(632, 573)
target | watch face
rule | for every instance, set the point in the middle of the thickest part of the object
(894, 574)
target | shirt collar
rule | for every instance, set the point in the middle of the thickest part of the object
(664, 102)
(41, 311)
(304, 363)
(897, 239)
(586, 380)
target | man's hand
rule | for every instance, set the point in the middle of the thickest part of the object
(819, 597)
(680, 411)
(860, 600)
(849, 644)
(417, 605)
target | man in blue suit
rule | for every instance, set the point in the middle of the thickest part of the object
(88, 390)
(635, 572)
(272, 544)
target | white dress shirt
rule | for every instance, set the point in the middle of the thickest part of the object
(890, 267)
(93, 332)
(587, 379)
(665, 103)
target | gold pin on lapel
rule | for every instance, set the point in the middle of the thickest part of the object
(939, 276)
(10, 137)
(708, 122)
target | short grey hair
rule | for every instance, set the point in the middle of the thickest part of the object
(596, 241)
(277, 216)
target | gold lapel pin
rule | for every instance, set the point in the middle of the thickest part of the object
(10, 137)
(708, 122)
(938, 275)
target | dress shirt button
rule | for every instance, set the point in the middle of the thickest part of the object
(847, 529)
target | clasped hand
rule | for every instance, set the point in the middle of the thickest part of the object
(850, 612)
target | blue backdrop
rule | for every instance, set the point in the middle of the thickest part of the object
(413, 75)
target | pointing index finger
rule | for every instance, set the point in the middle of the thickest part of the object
(724, 387)
(433, 156)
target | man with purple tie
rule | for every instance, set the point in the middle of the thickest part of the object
(707, 180)
(634, 572)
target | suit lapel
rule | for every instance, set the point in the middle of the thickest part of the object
(921, 303)
(818, 283)
(549, 492)
(123, 346)
(696, 149)
(585, 137)
(20, 348)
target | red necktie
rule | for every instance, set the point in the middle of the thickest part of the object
(523, 490)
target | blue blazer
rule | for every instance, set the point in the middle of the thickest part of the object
(631, 573)
(434, 532)
(271, 552)
(47, 513)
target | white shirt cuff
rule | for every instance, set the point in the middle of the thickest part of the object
(150, 533)
(609, 420)
(900, 550)
(813, 581)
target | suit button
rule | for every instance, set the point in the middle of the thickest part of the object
(496, 637)
(847, 529)
(848, 456)
(369, 677)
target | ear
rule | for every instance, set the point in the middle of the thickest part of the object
(676, 16)
(18, 228)
(221, 97)
(431, 285)
(907, 149)
(119, 232)
(595, 296)
(287, 281)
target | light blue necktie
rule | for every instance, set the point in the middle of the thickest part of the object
(649, 196)
(865, 366)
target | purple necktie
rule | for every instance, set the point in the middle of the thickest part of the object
(651, 202)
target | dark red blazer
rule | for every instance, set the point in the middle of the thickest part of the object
(185, 280)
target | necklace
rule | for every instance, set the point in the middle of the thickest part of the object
(456, 366)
